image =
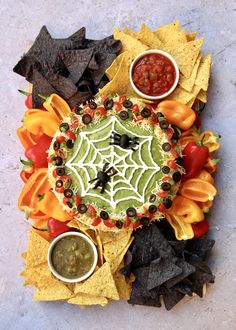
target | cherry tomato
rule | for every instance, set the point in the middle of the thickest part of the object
(91, 210)
(121, 98)
(60, 139)
(108, 223)
(71, 135)
(96, 221)
(161, 208)
(162, 193)
(117, 106)
(66, 200)
(166, 179)
(135, 108)
(54, 173)
(136, 224)
(127, 222)
(172, 164)
(77, 200)
(102, 111)
(60, 189)
(103, 99)
(65, 179)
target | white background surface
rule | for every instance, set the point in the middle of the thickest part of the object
(20, 23)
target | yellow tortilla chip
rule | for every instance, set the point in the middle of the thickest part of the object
(37, 250)
(130, 32)
(115, 263)
(190, 103)
(84, 229)
(129, 43)
(24, 255)
(181, 95)
(161, 30)
(185, 55)
(114, 248)
(203, 74)
(120, 82)
(123, 287)
(202, 96)
(101, 284)
(146, 36)
(52, 291)
(107, 236)
(85, 299)
(100, 250)
(191, 36)
(171, 36)
(188, 83)
(111, 71)
(195, 91)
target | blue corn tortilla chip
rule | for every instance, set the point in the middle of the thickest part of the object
(40, 86)
(171, 298)
(186, 268)
(160, 271)
(201, 247)
(185, 287)
(64, 86)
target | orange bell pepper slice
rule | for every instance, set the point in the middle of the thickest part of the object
(177, 114)
(198, 190)
(26, 138)
(36, 186)
(42, 225)
(206, 176)
(186, 210)
(183, 230)
(205, 206)
(188, 136)
(50, 205)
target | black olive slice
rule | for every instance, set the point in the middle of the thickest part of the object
(68, 193)
(119, 224)
(177, 176)
(145, 113)
(144, 221)
(69, 204)
(179, 161)
(78, 110)
(69, 144)
(58, 161)
(131, 212)
(168, 203)
(165, 169)
(60, 171)
(104, 215)
(127, 103)
(92, 105)
(59, 183)
(152, 208)
(159, 115)
(82, 208)
(108, 104)
(86, 119)
(152, 198)
(124, 115)
(56, 145)
(166, 186)
(164, 124)
(64, 127)
(166, 146)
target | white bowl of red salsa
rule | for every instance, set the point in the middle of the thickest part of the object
(154, 74)
(72, 257)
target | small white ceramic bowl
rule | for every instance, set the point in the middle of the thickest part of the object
(154, 51)
(53, 270)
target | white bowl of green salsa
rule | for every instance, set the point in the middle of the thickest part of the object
(72, 257)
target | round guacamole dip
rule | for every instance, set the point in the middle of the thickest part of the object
(115, 163)
(72, 257)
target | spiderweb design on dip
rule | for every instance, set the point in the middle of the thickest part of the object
(113, 168)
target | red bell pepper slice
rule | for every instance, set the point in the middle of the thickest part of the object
(200, 228)
(38, 153)
(56, 227)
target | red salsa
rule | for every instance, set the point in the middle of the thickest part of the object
(154, 74)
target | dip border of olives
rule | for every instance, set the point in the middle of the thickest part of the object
(154, 51)
(53, 270)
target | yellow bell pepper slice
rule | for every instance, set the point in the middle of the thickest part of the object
(198, 190)
(183, 230)
(38, 122)
(177, 113)
(57, 106)
(210, 140)
(186, 210)
(50, 205)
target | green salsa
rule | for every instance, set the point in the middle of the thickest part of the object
(72, 257)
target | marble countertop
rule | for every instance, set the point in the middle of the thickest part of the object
(20, 23)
